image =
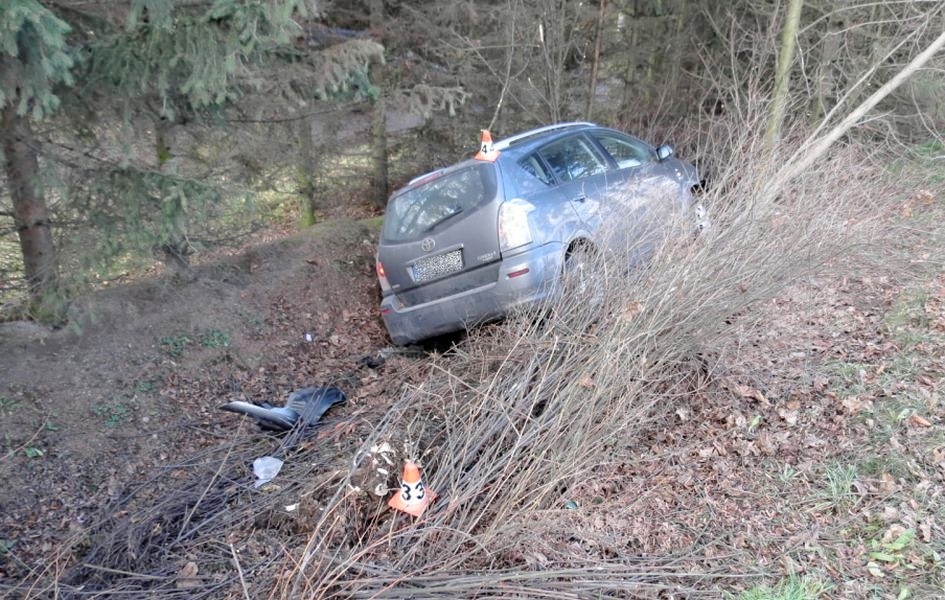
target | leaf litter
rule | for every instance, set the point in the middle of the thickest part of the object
(734, 478)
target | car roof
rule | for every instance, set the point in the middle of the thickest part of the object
(527, 140)
(513, 147)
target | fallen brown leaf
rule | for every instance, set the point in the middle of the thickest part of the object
(925, 530)
(887, 484)
(924, 197)
(751, 393)
(631, 311)
(187, 577)
(895, 530)
(853, 404)
(789, 416)
(890, 514)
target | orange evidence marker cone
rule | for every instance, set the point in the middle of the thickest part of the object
(412, 498)
(486, 151)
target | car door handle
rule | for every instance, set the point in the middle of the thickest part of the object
(582, 198)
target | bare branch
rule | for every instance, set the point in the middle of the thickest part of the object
(815, 149)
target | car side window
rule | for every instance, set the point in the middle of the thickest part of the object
(532, 165)
(572, 158)
(625, 151)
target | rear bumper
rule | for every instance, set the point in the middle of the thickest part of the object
(524, 278)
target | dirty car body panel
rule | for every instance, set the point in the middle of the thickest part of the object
(471, 242)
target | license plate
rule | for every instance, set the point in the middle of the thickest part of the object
(434, 267)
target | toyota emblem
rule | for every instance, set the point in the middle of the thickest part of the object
(427, 244)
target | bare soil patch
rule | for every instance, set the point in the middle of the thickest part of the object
(133, 387)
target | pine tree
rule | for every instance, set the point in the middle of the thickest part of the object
(34, 60)
(175, 61)
(169, 61)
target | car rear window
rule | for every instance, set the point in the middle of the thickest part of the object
(445, 199)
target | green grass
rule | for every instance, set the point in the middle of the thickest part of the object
(892, 552)
(6, 545)
(792, 588)
(909, 322)
(174, 345)
(787, 474)
(929, 148)
(145, 387)
(254, 321)
(892, 463)
(214, 338)
(850, 378)
(895, 560)
(113, 414)
(838, 492)
(923, 157)
(905, 365)
(8, 404)
(888, 418)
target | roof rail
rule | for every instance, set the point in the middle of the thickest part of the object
(505, 143)
(428, 175)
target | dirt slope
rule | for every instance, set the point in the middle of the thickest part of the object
(136, 382)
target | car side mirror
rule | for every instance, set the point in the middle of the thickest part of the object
(664, 152)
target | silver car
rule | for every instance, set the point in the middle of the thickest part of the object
(468, 243)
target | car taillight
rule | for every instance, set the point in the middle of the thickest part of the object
(381, 276)
(513, 224)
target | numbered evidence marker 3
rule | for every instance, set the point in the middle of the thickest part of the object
(412, 498)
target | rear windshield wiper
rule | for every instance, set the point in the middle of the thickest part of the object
(443, 219)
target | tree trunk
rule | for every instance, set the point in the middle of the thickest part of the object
(595, 65)
(680, 42)
(654, 59)
(825, 80)
(381, 177)
(630, 100)
(782, 76)
(376, 14)
(175, 251)
(30, 215)
(307, 167)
